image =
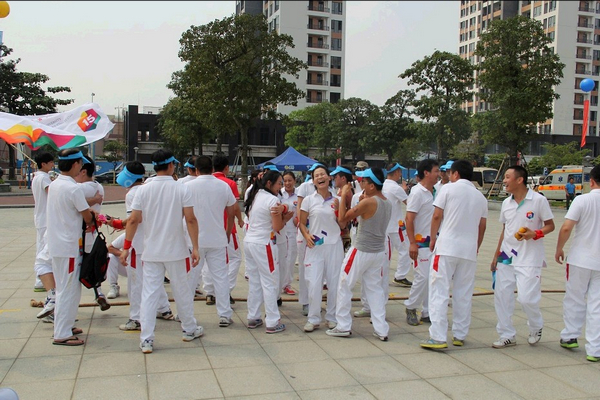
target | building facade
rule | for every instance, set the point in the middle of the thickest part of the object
(318, 30)
(574, 27)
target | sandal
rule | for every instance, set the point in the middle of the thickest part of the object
(77, 331)
(72, 341)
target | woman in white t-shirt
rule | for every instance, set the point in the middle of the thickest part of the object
(324, 249)
(265, 217)
(289, 197)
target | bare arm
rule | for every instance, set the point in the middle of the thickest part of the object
(304, 229)
(482, 227)
(413, 250)
(192, 225)
(133, 221)
(563, 236)
(97, 199)
(495, 259)
(230, 210)
(436, 221)
(277, 221)
(238, 214)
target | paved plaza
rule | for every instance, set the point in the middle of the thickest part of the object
(235, 362)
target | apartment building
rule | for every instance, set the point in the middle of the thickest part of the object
(574, 27)
(318, 30)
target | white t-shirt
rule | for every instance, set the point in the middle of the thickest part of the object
(322, 222)
(353, 203)
(138, 240)
(119, 242)
(90, 188)
(420, 201)
(260, 225)
(306, 189)
(41, 180)
(291, 200)
(531, 213)
(585, 243)
(210, 197)
(161, 203)
(65, 203)
(463, 206)
(396, 196)
(186, 179)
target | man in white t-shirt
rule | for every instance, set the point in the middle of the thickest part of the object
(583, 270)
(211, 197)
(396, 229)
(461, 210)
(190, 166)
(419, 210)
(67, 209)
(519, 257)
(160, 205)
(444, 175)
(43, 263)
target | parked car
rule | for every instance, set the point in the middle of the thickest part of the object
(105, 177)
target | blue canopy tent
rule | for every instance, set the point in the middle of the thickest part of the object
(291, 160)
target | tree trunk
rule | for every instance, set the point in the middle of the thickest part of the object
(219, 144)
(244, 169)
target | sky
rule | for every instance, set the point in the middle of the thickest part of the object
(125, 52)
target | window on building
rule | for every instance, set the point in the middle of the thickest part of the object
(577, 128)
(334, 97)
(472, 47)
(336, 62)
(578, 114)
(472, 22)
(336, 80)
(593, 115)
(276, 5)
(547, 129)
(336, 44)
(551, 35)
(336, 26)
(336, 8)
(537, 11)
(593, 100)
(552, 6)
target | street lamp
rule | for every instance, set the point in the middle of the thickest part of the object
(93, 94)
(136, 152)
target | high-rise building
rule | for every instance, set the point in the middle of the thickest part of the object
(318, 29)
(574, 27)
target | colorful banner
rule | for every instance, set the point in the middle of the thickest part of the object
(586, 115)
(78, 127)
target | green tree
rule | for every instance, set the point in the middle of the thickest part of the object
(562, 154)
(517, 75)
(236, 70)
(357, 120)
(22, 93)
(443, 80)
(114, 151)
(496, 161)
(392, 127)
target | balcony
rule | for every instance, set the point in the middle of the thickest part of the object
(584, 40)
(318, 45)
(585, 9)
(320, 8)
(583, 56)
(324, 64)
(316, 100)
(595, 73)
(584, 24)
(317, 27)
(317, 82)
(583, 72)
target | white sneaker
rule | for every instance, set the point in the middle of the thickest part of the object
(130, 325)
(48, 308)
(309, 327)
(338, 333)
(534, 337)
(502, 343)
(188, 337)
(362, 313)
(224, 322)
(114, 292)
(147, 346)
(331, 324)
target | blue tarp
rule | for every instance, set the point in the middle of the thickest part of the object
(291, 160)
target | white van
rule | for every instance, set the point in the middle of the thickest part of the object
(553, 187)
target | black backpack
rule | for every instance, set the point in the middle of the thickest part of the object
(95, 263)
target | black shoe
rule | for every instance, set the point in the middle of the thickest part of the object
(425, 319)
(101, 301)
(279, 302)
(167, 280)
(231, 300)
(402, 282)
(210, 300)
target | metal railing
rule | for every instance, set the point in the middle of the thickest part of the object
(318, 8)
(318, 28)
(318, 64)
(317, 82)
(583, 40)
(318, 45)
(584, 56)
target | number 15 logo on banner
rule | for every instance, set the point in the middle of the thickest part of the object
(89, 120)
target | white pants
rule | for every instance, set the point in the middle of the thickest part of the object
(419, 291)
(576, 312)
(528, 284)
(68, 295)
(263, 281)
(368, 267)
(282, 246)
(154, 274)
(384, 279)
(322, 262)
(115, 268)
(445, 271)
(216, 267)
(399, 242)
(302, 288)
(290, 258)
(43, 261)
(234, 260)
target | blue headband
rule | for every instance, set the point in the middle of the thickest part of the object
(339, 169)
(75, 156)
(314, 166)
(168, 160)
(395, 167)
(447, 166)
(271, 167)
(188, 165)
(127, 178)
(368, 173)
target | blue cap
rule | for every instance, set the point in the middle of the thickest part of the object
(339, 169)
(189, 165)
(368, 173)
(168, 160)
(395, 167)
(416, 173)
(447, 166)
(126, 178)
(271, 167)
(75, 156)
(314, 166)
